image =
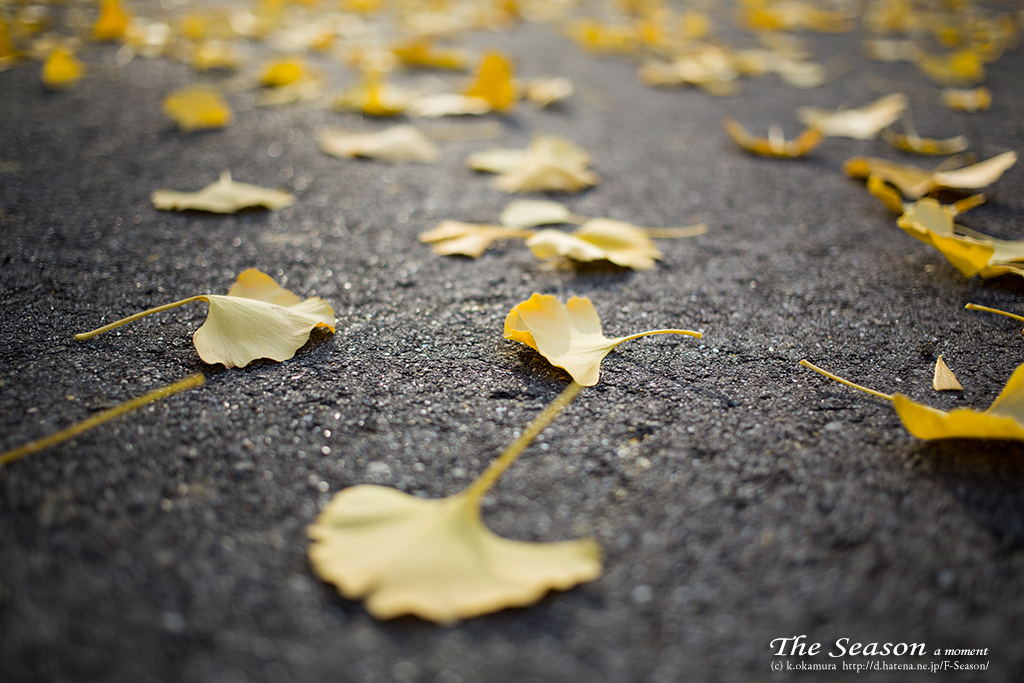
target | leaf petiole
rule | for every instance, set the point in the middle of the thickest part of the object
(976, 307)
(95, 420)
(879, 394)
(689, 333)
(478, 488)
(124, 321)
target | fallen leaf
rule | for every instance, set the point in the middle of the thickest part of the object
(423, 53)
(279, 72)
(454, 238)
(215, 54)
(494, 82)
(963, 67)
(529, 213)
(890, 50)
(256, 319)
(548, 164)
(863, 123)
(918, 145)
(198, 107)
(1004, 419)
(774, 145)
(398, 144)
(547, 91)
(223, 196)
(978, 99)
(916, 182)
(598, 239)
(112, 22)
(944, 379)
(448, 104)
(436, 559)
(568, 336)
(62, 70)
(374, 97)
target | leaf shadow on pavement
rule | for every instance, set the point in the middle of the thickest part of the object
(986, 478)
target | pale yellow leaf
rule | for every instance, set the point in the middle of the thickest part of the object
(529, 213)
(568, 335)
(973, 100)
(863, 123)
(256, 319)
(436, 559)
(547, 91)
(548, 164)
(223, 196)
(452, 238)
(775, 145)
(448, 104)
(944, 379)
(598, 239)
(916, 182)
(398, 144)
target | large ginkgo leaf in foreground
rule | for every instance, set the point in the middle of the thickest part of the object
(256, 319)
(568, 335)
(223, 196)
(435, 558)
(1004, 419)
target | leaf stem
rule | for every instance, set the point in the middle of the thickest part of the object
(976, 307)
(84, 425)
(688, 333)
(673, 233)
(124, 321)
(847, 382)
(478, 488)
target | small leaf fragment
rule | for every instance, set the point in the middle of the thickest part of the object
(198, 107)
(918, 145)
(448, 104)
(62, 69)
(973, 100)
(374, 97)
(398, 144)
(944, 379)
(863, 123)
(568, 335)
(223, 196)
(547, 91)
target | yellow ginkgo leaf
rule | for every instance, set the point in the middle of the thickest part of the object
(547, 91)
(963, 67)
(374, 97)
(774, 145)
(548, 164)
(423, 53)
(944, 379)
(916, 182)
(932, 223)
(863, 123)
(436, 559)
(977, 99)
(529, 213)
(398, 144)
(223, 196)
(598, 239)
(1004, 419)
(198, 107)
(494, 82)
(911, 142)
(454, 238)
(256, 319)
(568, 335)
(216, 54)
(112, 22)
(448, 104)
(279, 72)
(62, 69)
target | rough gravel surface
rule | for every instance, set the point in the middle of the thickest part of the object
(738, 497)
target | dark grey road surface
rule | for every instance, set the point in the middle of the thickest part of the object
(738, 497)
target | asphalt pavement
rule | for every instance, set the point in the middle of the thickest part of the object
(738, 498)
